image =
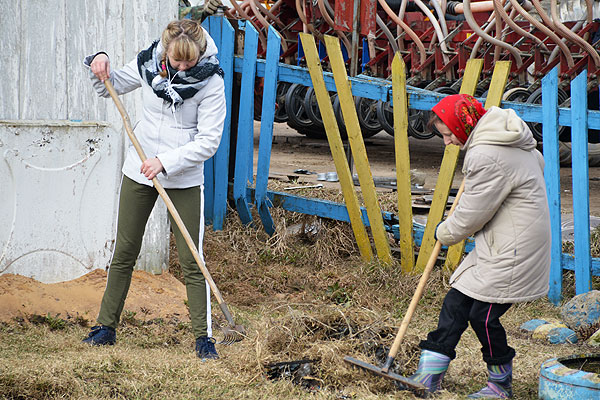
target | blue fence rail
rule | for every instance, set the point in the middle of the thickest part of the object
(245, 196)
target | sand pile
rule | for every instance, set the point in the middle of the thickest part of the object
(150, 296)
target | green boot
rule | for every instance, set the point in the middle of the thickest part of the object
(499, 385)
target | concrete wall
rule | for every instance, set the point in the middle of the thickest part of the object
(47, 98)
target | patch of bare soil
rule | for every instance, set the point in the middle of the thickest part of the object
(150, 296)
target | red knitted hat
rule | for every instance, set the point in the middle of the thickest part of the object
(460, 112)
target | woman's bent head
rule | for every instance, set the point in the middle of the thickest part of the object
(456, 115)
(184, 43)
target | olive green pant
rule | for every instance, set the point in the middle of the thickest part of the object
(135, 205)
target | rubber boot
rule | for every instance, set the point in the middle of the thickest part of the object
(499, 385)
(431, 370)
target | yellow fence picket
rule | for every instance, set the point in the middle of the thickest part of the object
(359, 151)
(444, 182)
(336, 146)
(494, 98)
(403, 188)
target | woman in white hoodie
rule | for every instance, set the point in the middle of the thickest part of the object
(181, 126)
(505, 207)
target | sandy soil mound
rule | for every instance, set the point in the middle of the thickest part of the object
(150, 296)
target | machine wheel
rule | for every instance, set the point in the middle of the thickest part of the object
(280, 114)
(536, 98)
(366, 110)
(312, 108)
(294, 107)
(337, 110)
(385, 114)
(518, 94)
(417, 124)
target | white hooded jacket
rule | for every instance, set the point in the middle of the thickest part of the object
(182, 140)
(505, 206)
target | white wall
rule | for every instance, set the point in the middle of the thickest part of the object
(42, 46)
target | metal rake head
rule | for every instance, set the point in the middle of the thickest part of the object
(232, 334)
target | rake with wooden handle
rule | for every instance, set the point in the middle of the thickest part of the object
(385, 370)
(232, 333)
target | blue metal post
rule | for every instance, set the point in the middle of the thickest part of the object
(266, 129)
(581, 190)
(552, 175)
(245, 134)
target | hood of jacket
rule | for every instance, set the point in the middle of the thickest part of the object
(501, 127)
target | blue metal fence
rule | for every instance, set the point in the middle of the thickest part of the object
(244, 195)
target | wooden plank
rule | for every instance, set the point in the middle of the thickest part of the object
(266, 129)
(84, 17)
(498, 83)
(444, 182)
(581, 190)
(494, 98)
(405, 216)
(471, 76)
(245, 134)
(359, 151)
(222, 156)
(42, 89)
(552, 177)
(336, 146)
(10, 47)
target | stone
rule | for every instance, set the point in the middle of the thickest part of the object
(541, 332)
(561, 335)
(582, 312)
(531, 325)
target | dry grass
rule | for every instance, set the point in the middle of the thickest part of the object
(301, 294)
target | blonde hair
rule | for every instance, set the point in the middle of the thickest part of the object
(185, 38)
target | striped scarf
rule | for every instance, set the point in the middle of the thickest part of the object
(182, 84)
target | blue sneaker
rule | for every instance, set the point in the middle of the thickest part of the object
(205, 348)
(100, 336)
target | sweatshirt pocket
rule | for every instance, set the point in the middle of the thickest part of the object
(176, 137)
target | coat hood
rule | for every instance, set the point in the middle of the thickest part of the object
(502, 127)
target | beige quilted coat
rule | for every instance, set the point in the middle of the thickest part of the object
(505, 206)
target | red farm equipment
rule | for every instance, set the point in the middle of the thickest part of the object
(435, 38)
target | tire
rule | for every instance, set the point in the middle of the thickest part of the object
(536, 98)
(296, 112)
(386, 117)
(518, 94)
(312, 108)
(337, 111)
(280, 113)
(366, 110)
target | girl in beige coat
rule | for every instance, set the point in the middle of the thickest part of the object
(504, 206)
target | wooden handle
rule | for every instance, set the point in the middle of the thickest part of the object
(165, 196)
(422, 282)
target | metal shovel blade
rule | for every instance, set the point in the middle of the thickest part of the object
(417, 387)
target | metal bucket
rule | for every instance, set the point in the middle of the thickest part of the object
(575, 377)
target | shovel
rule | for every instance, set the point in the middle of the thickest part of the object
(385, 370)
(232, 333)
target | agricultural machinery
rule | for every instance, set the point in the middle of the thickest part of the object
(435, 38)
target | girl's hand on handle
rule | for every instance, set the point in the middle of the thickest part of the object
(100, 66)
(151, 167)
